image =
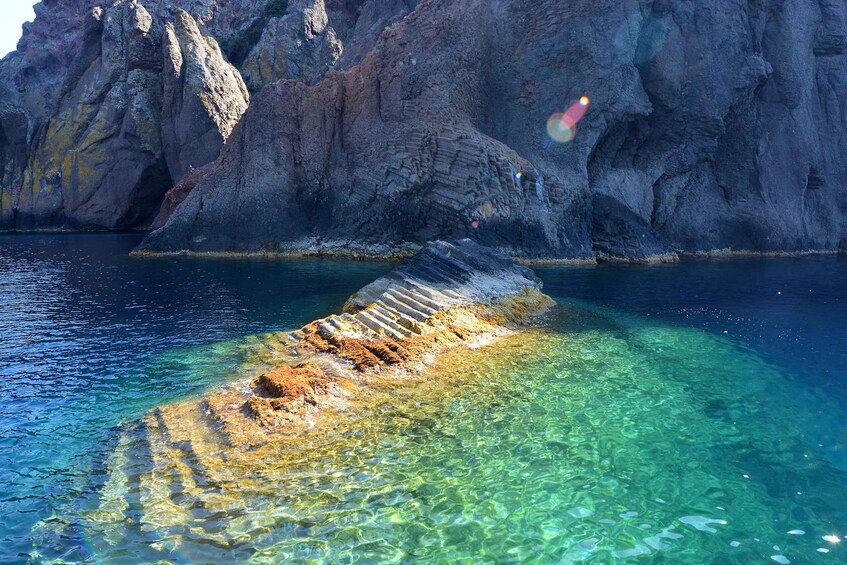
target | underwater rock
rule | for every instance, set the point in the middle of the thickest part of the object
(449, 294)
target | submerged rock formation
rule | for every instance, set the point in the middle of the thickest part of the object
(183, 463)
(379, 125)
(188, 478)
(446, 295)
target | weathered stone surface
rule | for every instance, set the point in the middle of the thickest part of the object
(204, 97)
(107, 104)
(176, 195)
(710, 127)
(301, 45)
(449, 294)
(246, 445)
(91, 136)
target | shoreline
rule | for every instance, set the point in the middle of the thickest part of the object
(343, 253)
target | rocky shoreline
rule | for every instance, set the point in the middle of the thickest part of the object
(247, 126)
(364, 253)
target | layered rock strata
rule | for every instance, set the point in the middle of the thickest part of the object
(447, 295)
(217, 455)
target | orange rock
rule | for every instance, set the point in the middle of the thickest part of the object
(290, 383)
(381, 350)
(352, 350)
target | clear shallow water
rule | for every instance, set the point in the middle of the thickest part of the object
(90, 337)
(631, 425)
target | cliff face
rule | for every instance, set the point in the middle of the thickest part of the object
(108, 104)
(710, 126)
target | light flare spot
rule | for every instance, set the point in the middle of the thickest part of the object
(561, 127)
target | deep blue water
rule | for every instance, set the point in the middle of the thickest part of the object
(791, 310)
(90, 338)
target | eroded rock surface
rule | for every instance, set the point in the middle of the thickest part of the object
(204, 97)
(376, 125)
(446, 295)
(108, 104)
(710, 127)
(301, 45)
(221, 454)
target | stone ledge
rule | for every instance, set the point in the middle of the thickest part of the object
(447, 295)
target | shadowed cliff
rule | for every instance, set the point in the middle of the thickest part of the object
(376, 126)
(106, 105)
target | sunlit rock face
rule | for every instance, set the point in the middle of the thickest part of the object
(301, 45)
(204, 97)
(109, 104)
(448, 295)
(91, 84)
(709, 127)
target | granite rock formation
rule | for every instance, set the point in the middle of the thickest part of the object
(378, 125)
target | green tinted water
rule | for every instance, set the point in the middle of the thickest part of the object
(602, 437)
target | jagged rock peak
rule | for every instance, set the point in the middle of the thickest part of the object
(107, 104)
(204, 96)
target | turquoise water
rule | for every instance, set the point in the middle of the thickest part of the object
(691, 413)
(90, 337)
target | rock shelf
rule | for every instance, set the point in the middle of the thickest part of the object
(205, 455)
(449, 294)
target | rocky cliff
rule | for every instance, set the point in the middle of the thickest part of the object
(377, 125)
(107, 104)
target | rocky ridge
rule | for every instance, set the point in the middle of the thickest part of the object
(447, 295)
(177, 470)
(202, 456)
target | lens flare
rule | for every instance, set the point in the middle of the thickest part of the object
(562, 127)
